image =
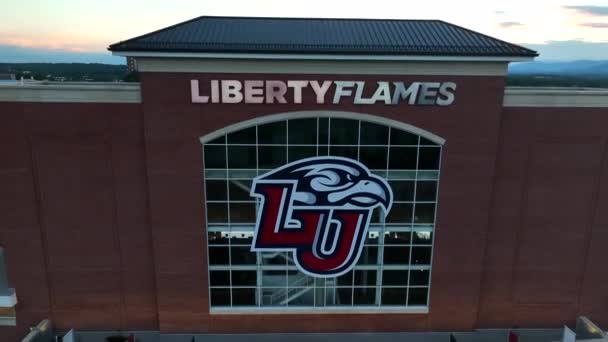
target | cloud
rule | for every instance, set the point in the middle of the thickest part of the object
(499, 12)
(594, 25)
(590, 10)
(508, 24)
(570, 50)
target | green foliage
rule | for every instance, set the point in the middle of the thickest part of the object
(599, 81)
(71, 71)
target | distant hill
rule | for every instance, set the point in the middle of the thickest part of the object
(67, 71)
(572, 68)
(581, 73)
(18, 54)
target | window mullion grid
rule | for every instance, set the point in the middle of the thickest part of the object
(286, 253)
(359, 142)
(207, 229)
(428, 289)
(380, 256)
(229, 224)
(258, 255)
(409, 272)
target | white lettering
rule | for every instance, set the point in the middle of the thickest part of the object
(231, 91)
(297, 89)
(276, 90)
(402, 92)
(383, 93)
(446, 92)
(195, 92)
(254, 91)
(320, 90)
(428, 93)
(341, 91)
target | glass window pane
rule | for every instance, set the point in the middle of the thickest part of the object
(364, 296)
(421, 256)
(425, 213)
(243, 136)
(215, 157)
(272, 156)
(273, 133)
(215, 190)
(218, 256)
(302, 131)
(417, 296)
(220, 297)
(323, 131)
(299, 279)
(369, 255)
(373, 134)
(396, 255)
(427, 142)
(344, 296)
(419, 277)
(394, 277)
(244, 278)
(400, 213)
(242, 157)
(274, 296)
(243, 297)
(374, 157)
(217, 212)
(344, 132)
(301, 296)
(219, 278)
(241, 238)
(402, 158)
(343, 151)
(346, 279)
(301, 152)
(274, 258)
(242, 256)
(319, 296)
(365, 277)
(217, 238)
(423, 238)
(373, 236)
(323, 150)
(397, 238)
(400, 137)
(429, 158)
(394, 296)
(274, 278)
(239, 190)
(426, 190)
(242, 212)
(402, 190)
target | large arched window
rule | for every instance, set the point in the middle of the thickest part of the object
(393, 272)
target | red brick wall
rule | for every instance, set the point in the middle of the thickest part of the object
(546, 242)
(74, 215)
(102, 215)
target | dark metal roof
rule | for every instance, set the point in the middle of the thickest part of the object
(322, 36)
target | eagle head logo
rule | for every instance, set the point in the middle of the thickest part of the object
(319, 209)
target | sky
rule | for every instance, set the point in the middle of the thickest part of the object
(82, 30)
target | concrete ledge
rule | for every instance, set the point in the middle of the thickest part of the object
(71, 92)
(8, 300)
(555, 97)
(351, 67)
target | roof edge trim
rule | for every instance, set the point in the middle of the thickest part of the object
(286, 56)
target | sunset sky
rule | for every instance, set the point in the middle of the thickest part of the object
(559, 29)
